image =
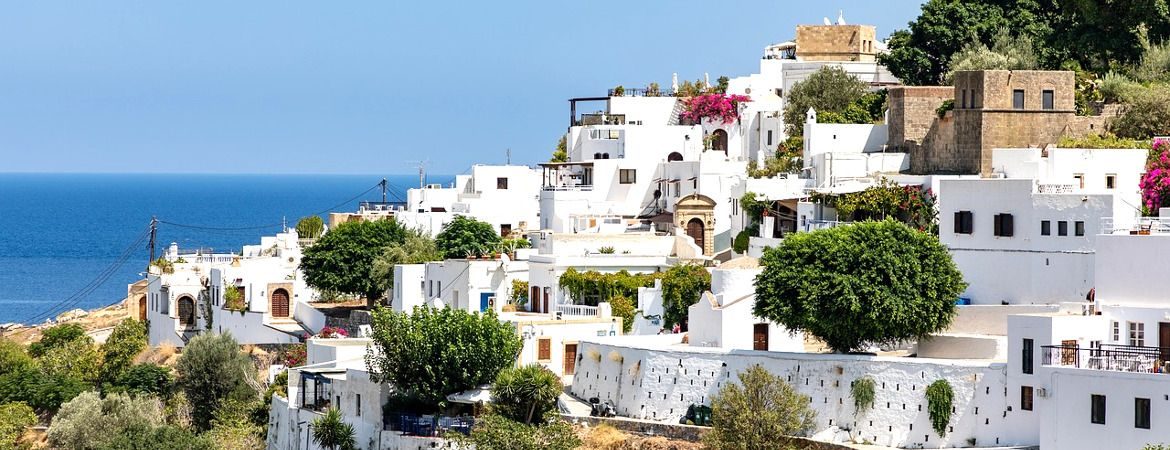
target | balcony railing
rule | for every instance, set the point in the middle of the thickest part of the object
(1117, 358)
(814, 225)
(642, 92)
(1143, 226)
(1057, 188)
(567, 310)
(426, 425)
(578, 187)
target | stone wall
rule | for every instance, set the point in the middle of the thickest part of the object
(349, 324)
(835, 42)
(914, 125)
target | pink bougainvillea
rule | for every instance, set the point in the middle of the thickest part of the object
(717, 107)
(332, 332)
(1155, 184)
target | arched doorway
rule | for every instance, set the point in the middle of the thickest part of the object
(695, 231)
(279, 303)
(142, 308)
(719, 140)
(186, 310)
(674, 156)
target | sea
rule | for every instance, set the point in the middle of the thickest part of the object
(70, 241)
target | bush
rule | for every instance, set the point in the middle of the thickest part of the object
(1099, 141)
(752, 413)
(240, 424)
(525, 394)
(124, 344)
(1155, 63)
(147, 378)
(89, 421)
(331, 432)
(946, 106)
(681, 287)
(519, 293)
(1145, 117)
(862, 392)
(213, 370)
(624, 308)
(433, 352)
(867, 283)
(828, 90)
(939, 397)
(78, 359)
(464, 236)
(495, 432)
(1115, 88)
(43, 392)
(15, 418)
(56, 336)
(13, 357)
(165, 437)
(310, 227)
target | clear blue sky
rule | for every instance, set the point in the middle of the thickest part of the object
(351, 87)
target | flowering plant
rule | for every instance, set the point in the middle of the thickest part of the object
(294, 356)
(332, 333)
(720, 107)
(1155, 183)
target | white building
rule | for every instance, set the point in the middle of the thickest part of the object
(273, 297)
(467, 284)
(504, 196)
(1040, 219)
(724, 318)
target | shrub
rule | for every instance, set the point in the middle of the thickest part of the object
(495, 432)
(147, 378)
(939, 397)
(1146, 116)
(866, 283)
(828, 90)
(77, 358)
(1155, 182)
(332, 333)
(433, 352)
(718, 108)
(43, 392)
(310, 227)
(166, 437)
(465, 236)
(331, 432)
(1099, 141)
(90, 421)
(212, 370)
(15, 418)
(525, 394)
(862, 392)
(681, 287)
(13, 357)
(233, 299)
(124, 344)
(606, 250)
(1115, 87)
(946, 106)
(624, 308)
(519, 293)
(56, 336)
(752, 413)
(1155, 63)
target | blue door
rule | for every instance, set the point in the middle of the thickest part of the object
(486, 301)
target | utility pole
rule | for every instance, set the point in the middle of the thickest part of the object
(508, 158)
(153, 235)
(421, 176)
(383, 191)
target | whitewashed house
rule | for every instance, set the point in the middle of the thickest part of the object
(724, 318)
(504, 196)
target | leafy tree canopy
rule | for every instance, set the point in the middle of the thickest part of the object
(495, 432)
(433, 352)
(561, 153)
(464, 236)
(757, 410)
(57, 335)
(341, 259)
(90, 421)
(13, 357)
(211, 371)
(867, 283)
(415, 248)
(118, 352)
(1147, 116)
(1007, 52)
(15, 418)
(681, 287)
(166, 437)
(146, 378)
(828, 90)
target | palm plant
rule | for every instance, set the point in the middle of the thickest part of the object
(330, 431)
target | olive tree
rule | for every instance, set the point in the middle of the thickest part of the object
(867, 283)
(828, 90)
(433, 352)
(756, 411)
(212, 370)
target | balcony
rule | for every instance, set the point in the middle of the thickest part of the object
(567, 310)
(426, 425)
(1142, 226)
(1056, 188)
(1116, 358)
(642, 92)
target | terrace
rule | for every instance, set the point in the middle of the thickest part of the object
(1117, 358)
(1142, 226)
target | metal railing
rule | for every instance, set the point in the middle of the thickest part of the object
(814, 225)
(1143, 226)
(1109, 357)
(642, 92)
(579, 187)
(576, 310)
(426, 425)
(1057, 188)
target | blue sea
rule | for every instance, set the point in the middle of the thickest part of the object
(61, 232)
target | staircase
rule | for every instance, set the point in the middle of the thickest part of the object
(676, 112)
(289, 326)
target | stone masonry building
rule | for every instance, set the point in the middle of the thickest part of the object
(836, 43)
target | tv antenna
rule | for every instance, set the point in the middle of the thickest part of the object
(422, 177)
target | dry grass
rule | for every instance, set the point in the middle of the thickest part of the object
(165, 355)
(605, 437)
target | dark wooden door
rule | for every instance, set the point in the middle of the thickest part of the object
(760, 337)
(695, 231)
(534, 299)
(186, 311)
(570, 358)
(1164, 341)
(1068, 353)
(142, 308)
(279, 303)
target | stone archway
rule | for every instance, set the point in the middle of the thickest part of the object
(719, 141)
(695, 213)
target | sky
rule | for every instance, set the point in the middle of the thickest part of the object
(352, 87)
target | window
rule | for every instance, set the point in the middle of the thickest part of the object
(1018, 99)
(1141, 413)
(505, 230)
(439, 289)
(1028, 355)
(627, 176)
(1046, 99)
(1079, 228)
(430, 288)
(1137, 334)
(501, 183)
(544, 349)
(964, 222)
(1079, 180)
(1062, 228)
(1004, 225)
(1110, 181)
(1097, 415)
(1116, 331)
(1026, 398)
(964, 103)
(357, 407)
(769, 138)
(974, 98)
(1045, 227)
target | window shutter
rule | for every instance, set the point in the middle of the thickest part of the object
(958, 222)
(998, 231)
(1007, 225)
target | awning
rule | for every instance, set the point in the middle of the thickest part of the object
(482, 394)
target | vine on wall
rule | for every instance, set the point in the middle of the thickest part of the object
(939, 398)
(863, 394)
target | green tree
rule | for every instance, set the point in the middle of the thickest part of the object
(561, 153)
(828, 90)
(623, 307)
(118, 352)
(56, 336)
(415, 248)
(310, 227)
(15, 418)
(211, 371)
(13, 357)
(495, 432)
(331, 432)
(78, 358)
(681, 287)
(921, 56)
(525, 394)
(89, 421)
(1007, 52)
(341, 259)
(754, 412)
(1147, 116)
(43, 392)
(867, 283)
(147, 378)
(433, 352)
(166, 437)
(464, 236)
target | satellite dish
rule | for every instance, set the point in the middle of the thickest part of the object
(828, 22)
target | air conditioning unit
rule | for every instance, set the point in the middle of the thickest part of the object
(1042, 393)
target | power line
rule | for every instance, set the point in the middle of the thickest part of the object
(272, 225)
